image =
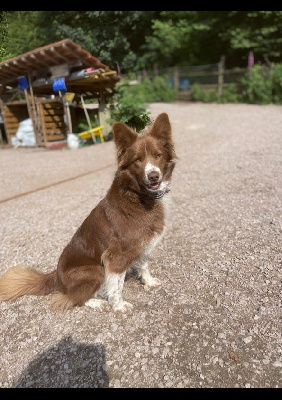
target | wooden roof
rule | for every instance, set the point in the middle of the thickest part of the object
(39, 62)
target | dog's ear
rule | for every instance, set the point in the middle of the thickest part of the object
(161, 130)
(123, 137)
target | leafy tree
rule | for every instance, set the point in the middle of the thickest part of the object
(22, 32)
(245, 31)
(3, 35)
(115, 37)
(173, 37)
(135, 40)
(202, 37)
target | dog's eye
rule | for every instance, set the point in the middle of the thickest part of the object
(158, 155)
(137, 159)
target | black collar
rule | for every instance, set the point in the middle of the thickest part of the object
(158, 194)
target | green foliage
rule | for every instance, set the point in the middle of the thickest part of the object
(142, 39)
(134, 40)
(112, 36)
(260, 85)
(202, 37)
(3, 35)
(139, 122)
(22, 32)
(207, 96)
(197, 92)
(128, 107)
(257, 86)
(230, 95)
(156, 89)
(276, 78)
(82, 124)
(130, 100)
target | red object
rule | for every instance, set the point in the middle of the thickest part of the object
(56, 145)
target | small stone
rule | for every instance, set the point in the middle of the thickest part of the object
(277, 364)
(247, 339)
(116, 383)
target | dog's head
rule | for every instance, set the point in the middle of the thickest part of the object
(146, 160)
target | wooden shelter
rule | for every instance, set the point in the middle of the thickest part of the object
(52, 115)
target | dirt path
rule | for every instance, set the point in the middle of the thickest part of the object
(216, 319)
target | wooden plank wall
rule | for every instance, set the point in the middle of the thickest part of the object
(52, 121)
(13, 115)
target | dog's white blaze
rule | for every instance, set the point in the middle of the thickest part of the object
(150, 168)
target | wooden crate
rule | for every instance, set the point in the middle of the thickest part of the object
(48, 116)
(52, 120)
(13, 114)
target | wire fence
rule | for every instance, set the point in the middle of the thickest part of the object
(210, 76)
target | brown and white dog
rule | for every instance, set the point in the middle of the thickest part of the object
(119, 233)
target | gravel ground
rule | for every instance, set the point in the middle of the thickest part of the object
(216, 320)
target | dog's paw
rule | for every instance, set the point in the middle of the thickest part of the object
(123, 306)
(151, 282)
(97, 304)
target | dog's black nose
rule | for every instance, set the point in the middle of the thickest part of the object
(153, 176)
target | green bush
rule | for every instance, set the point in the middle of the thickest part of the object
(207, 96)
(260, 85)
(157, 89)
(129, 102)
(197, 92)
(210, 96)
(230, 94)
(257, 86)
(276, 77)
(129, 107)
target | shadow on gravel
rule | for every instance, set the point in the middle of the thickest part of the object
(68, 364)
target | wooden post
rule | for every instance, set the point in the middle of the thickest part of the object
(88, 119)
(32, 109)
(104, 116)
(3, 135)
(221, 67)
(176, 79)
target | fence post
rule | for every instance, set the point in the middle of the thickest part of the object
(221, 67)
(176, 78)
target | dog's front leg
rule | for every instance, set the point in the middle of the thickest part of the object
(144, 275)
(114, 285)
(116, 259)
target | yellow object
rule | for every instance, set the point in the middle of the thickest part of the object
(68, 96)
(96, 131)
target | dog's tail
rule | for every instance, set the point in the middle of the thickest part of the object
(19, 281)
